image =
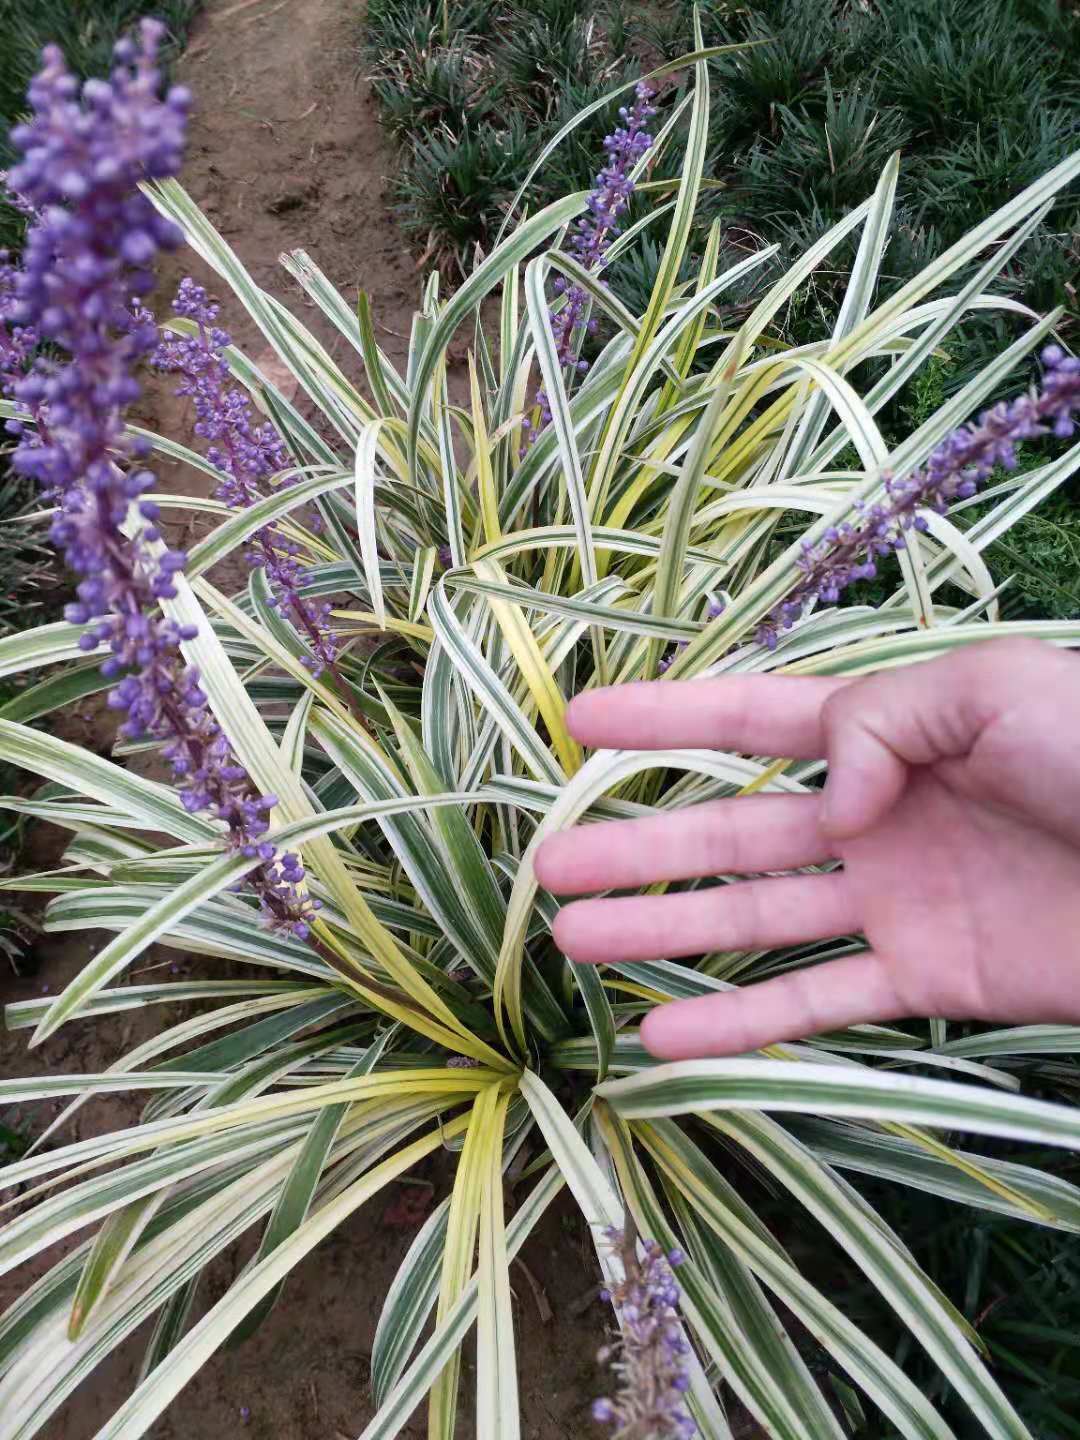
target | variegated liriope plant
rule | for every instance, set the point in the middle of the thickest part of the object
(478, 576)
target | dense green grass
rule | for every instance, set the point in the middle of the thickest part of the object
(86, 30)
(1019, 1286)
(981, 95)
(470, 88)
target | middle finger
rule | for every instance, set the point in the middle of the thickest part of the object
(722, 837)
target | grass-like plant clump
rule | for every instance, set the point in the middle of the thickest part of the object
(367, 743)
(979, 97)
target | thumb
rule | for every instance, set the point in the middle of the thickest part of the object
(844, 992)
(917, 715)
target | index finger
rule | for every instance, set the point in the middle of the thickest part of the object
(776, 715)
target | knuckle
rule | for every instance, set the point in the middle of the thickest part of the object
(1007, 652)
(738, 915)
(843, 707)
(805, 1002)
(723, 840)
(738, 1022)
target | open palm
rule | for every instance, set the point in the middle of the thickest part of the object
(953, 807)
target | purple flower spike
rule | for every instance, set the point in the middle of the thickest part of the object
(954, 471)
(649, 1357)
(594, 232)
(91, 238)
(18, 343)
(82, 160)
(625, 146)
(250, 455)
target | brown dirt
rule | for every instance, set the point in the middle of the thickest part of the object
(286, 151)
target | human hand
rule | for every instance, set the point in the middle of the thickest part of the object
(952, 801)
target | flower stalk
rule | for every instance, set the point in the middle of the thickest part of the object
(592, 238)
(90, 245)
(251, 456)
(954, 471)
(648, 1359)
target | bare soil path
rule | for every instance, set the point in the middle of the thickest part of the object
(286, 151)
